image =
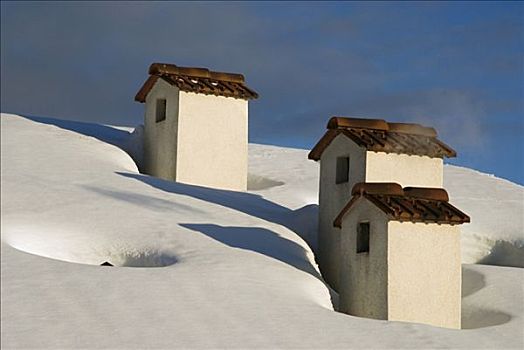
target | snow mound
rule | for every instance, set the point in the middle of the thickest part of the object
(495, 235)
(236, 266)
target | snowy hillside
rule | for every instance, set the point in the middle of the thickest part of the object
(227, 269)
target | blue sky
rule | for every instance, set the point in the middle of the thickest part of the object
(456, 66)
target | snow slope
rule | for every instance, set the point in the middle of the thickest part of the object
(495, 235)
(227, 269)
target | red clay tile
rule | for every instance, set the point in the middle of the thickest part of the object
(415, 204)
(198, 80)
(380, 136)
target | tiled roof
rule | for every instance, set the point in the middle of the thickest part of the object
(198, 80)
(415, 204)
(380, 136)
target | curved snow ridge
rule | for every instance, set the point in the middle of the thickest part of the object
(70, 198)
(117, 256)
(239, 271)
(495, 235)
(47, 179)
(451, 169)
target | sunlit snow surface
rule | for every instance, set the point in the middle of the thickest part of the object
(218, 268)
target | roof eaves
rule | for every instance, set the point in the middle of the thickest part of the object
(450, 152)
(144, 90)
(338, 220)
(322, 144)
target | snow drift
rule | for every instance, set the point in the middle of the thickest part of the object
(237, 271)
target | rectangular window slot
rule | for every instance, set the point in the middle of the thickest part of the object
(363, 237)
(342, 170)
(160, 110)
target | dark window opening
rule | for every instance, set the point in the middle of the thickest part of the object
(160, 110)
(363, 237)
(342, 169)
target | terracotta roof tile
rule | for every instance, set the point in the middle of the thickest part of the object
(415, 204)
(198, 80)
(380, 136)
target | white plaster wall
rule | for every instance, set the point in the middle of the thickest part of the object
(363, 276)
(212, 141)
(424, 273)
(332, 198)
(160, 139)
(406, 170)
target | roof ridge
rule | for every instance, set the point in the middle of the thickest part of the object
(395, 189)
(337, 122)
(197, 72)
(360, 123)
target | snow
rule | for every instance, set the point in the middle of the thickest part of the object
(496, 206)
(495, 235)
(226, 269)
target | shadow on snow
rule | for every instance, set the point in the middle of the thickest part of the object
(259, 240)
(248, 203)
(103, 133)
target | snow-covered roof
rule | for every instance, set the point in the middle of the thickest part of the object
(415, 204)
(198, 80)
(380, 136)
(241, 273)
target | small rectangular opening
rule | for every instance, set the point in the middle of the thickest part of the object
(160, 109)
(342, 170)
(363, 237)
